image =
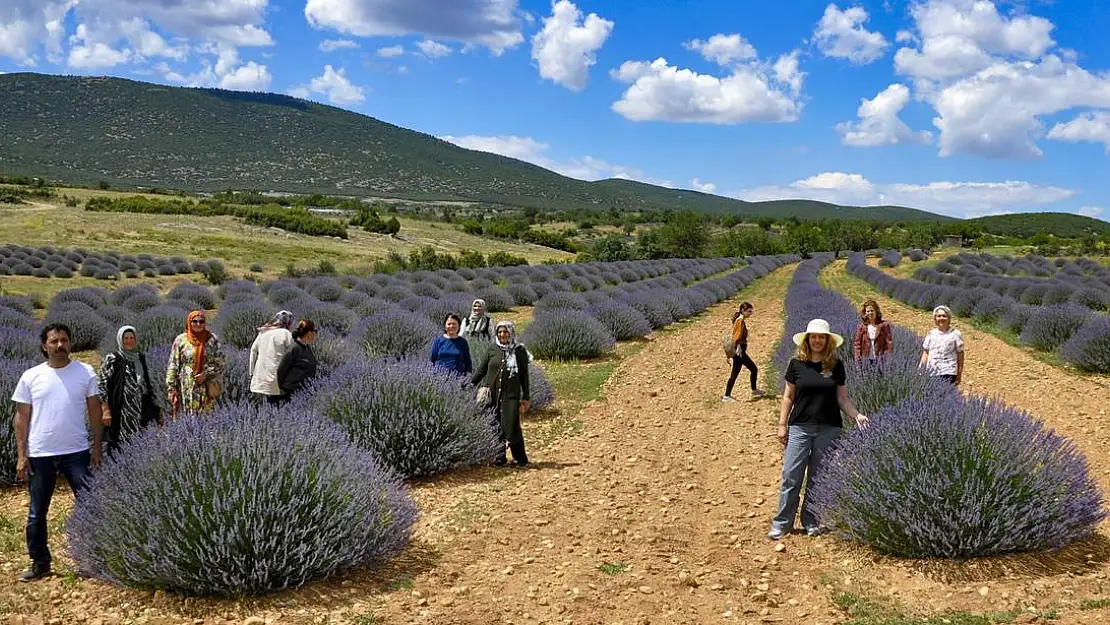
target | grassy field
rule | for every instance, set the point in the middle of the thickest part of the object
(225, 238)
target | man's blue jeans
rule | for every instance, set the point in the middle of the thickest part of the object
(806, 447)
(44, 475)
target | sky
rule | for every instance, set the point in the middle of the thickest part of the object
(960, 107)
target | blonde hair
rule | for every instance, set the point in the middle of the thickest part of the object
(804, 353)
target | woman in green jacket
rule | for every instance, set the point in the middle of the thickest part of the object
(502, 376)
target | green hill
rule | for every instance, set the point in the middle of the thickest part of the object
(130, 133)
(1026, 225)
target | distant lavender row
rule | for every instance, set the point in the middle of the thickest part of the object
(1031, 279)
(937, 474)
(54, 262)
(1047, 317)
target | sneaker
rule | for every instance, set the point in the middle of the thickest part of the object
(38, 570)
(727, 399)
(758, 393)
(776, 534)
(814, 531)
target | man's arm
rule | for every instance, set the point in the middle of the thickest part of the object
(22, 432)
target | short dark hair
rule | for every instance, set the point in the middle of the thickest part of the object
(54, 327)
(303, 328)
(452, 316)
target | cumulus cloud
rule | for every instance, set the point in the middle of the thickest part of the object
(955, 199)
(335, 85)
(331, 45)
(879, 123)
(433, 49)
(390, 52)
(494, 24)
(992, 77)
(841, 34)
(227, 72)
(25, 25)
(566, 47)
(704, 187)
(536, 152)
(751, 91)
(1091, 126)
(723, 49)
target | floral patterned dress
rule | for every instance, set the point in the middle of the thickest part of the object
(179, 374)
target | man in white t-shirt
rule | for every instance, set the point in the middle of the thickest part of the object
(56, 407)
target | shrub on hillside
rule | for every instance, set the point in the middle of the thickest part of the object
(991, 307)
(1089, 348)
(396, 333)
(1051, 326)
(1015, 318)
(416, 418)
(93, 298)
(87, 326)
(522, 294)
(957, 478)
(891, 259)
(237, 324)
(142, 301)
(567, 335)
(200, 295)
(561, 300)
(917, 256)
(231, 505)
(330, 317)
(497, 299)
(623, 321)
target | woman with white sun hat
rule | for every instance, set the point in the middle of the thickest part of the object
(810, 420)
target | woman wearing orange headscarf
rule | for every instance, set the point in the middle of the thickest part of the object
(194, 377)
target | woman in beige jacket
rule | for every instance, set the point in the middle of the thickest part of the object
(269, 347)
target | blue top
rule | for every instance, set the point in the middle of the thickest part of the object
(453, 354)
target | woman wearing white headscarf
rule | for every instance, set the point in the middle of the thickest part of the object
(502, 375)
(126, 392)
(273, 341)
(478, 326)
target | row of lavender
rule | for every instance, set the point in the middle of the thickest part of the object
(1079, 334)
(893, 258)
(1033, 280)
(938, 474)
(53, 262)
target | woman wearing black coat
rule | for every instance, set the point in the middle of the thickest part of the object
(298, 366)
(503, 375)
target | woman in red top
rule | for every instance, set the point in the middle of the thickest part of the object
(874, 337)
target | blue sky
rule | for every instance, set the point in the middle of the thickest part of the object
(962, 107)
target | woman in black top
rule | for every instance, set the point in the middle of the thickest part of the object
(126, 392)
(810, 420)
(504, 372)
(298, 366)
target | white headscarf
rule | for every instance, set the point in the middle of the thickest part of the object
(509, 349)
(131, 356)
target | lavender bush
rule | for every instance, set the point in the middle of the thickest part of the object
(396, 333)
(237, 324)
(891, 259)
(567, 335)
(416, 418)
(1051, 326)
(232, 505)
(87, 326)
(1089, 348)
(17, 320)
(957, 478)
(10, 371)
(200, 295)
(1014, 319)
(892, 379)
(623, 321)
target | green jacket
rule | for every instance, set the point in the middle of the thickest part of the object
(489, 373)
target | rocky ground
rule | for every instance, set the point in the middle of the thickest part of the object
(656, 511)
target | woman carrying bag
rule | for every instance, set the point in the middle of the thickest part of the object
(502, 379)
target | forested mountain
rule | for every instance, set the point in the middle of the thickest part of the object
(129, 133)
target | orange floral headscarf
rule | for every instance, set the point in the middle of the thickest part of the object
(197, 339)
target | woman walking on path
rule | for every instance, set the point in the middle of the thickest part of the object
(269, 347)
(810, 420)
(126, 392)
(450, 351)
(943, 348)
(874, 336)
(502, 376)
(194, 376)
(739, 356)
(479, 325)
(298, 366)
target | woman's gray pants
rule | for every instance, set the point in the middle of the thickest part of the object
(806, 448)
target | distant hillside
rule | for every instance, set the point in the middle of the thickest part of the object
(131, 133)
(1025, 225)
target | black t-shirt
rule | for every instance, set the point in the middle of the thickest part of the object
(815, 393)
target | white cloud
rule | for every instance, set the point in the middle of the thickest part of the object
(1094, 212)
(335, 85)
(433, 49)
(841, 34)
(494, 24)
(331, 45)
(879, 123)
(704, 187)
(27, 24)
(96, 56)
(723, 49)
(228, 72)
(955, 199)
(752, 91)
(992, 77)
(248, 77)
(390, 52)
(1092, 126)
(567, 46)
(535, 152)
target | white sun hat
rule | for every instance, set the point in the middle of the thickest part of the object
(819, 326)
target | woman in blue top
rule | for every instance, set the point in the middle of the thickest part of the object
(451, 351)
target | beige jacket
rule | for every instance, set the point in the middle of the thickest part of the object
(268, 349)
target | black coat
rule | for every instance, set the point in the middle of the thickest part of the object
(297, 367)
